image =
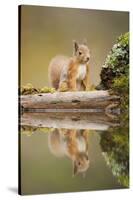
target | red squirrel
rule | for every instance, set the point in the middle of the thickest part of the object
(72, 144)
(71, 73)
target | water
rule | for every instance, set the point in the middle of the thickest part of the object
(50, 155)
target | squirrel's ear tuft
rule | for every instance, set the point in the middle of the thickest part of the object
(75, 45)
(85, 41)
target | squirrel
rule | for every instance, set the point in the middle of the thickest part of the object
(71, 73)
(73, 144)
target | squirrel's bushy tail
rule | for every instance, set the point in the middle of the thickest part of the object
(54, 143)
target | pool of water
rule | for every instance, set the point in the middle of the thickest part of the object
(65, 155)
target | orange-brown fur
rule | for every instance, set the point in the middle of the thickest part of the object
(79, 158)
(72, 72)
(63, 71)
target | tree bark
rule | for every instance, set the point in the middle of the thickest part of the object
(69, 120)
(93, 101)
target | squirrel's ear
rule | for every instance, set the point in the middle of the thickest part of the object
(75, 45)
(85, 41)
(75, 168)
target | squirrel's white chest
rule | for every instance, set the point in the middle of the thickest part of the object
(81, 144)
(81, 72)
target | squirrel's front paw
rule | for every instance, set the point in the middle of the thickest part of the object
(63, 87)
(73, 90)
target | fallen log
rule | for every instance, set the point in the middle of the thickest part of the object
(69, 120)
(94, 101)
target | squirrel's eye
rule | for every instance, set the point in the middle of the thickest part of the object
(80, 52)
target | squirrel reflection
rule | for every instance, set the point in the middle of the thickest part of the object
(73, 144)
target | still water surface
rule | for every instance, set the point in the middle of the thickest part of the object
(56, 159)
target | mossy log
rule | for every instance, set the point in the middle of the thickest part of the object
(69, 120)
(93, 101)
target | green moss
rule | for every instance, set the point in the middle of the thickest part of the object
(45, 129)
(115, 145)
(121, 84)
(115, 78)
(29, 130)
(47, 90)
(29, 89)
(115, 71)
(121, 87)
(116, 63)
